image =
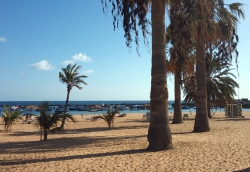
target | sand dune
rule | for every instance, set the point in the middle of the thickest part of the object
(90, 146)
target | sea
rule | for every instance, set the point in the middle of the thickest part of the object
(82, 103)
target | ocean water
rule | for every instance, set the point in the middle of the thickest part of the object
(24, 103)
(126, 102)
(75, 112)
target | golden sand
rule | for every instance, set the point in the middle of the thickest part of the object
(90, 146)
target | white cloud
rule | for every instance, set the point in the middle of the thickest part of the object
(22, 72)
(43, 65)
(2, 39)
(66, 62)
(88, 72)
(81, 57)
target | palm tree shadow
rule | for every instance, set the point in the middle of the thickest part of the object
(232, 119)
(243, 170)
(137, 120)
(63, 158)
(24, 133)
(52, 144)
(179, 133)
(97, 129)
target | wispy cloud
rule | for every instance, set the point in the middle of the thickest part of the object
(43, 65)
(77, 57)
(22, 72)
(88, 72)
(2, 39)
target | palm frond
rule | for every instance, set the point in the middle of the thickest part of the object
(95, 118)
(108, 117)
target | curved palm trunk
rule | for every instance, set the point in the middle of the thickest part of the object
(201, 119)
(177, 101)
(65, 108)
(159, 134)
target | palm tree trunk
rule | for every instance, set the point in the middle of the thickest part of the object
(208, 104)
(45, 136)
(201, 119)
(159, 134)
(177, 101)
(66, 107)
(67, 101)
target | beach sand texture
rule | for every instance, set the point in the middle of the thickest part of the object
(90, 146)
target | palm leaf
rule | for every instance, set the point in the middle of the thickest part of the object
(108, 117)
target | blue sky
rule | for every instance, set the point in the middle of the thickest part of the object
(39, 37)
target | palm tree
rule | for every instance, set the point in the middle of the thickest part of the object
(47, 121)
(220, 84)
(159, 133)
(207, 15)
(172, 68)
(204, 11)
(187, 69)
(180, 52)
(9, 118)
(71, 78)
(108, 117)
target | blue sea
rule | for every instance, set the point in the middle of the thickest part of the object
(82, 103)
(24, 103)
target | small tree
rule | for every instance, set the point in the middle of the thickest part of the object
(109, 117)
(9, 118)
(48, 121)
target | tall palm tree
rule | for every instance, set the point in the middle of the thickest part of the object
(71, 78)
(9, 118)
(207, 15)
(180, 52)
(204, 12)
(159, 133)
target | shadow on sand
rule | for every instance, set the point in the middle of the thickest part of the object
(57, 144)
(63, 158)
(244, 170)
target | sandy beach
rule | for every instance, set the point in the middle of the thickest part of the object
(90, 146)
